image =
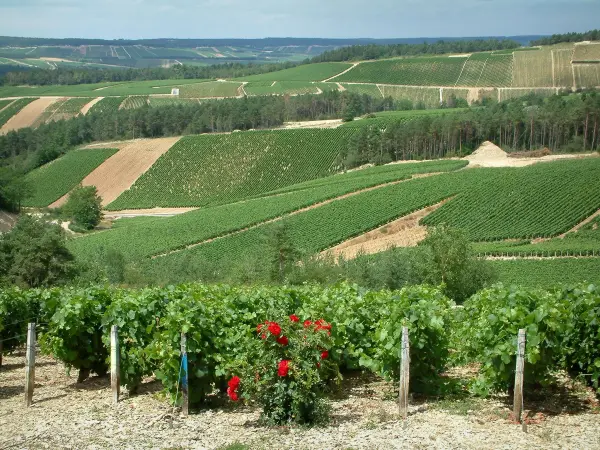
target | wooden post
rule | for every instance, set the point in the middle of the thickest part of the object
(404, 373)
(184, 376)
(518, 400)
(1, 350)
(30, 364)
(115, 363)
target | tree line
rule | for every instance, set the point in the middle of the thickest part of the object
(63, 76)
(28, 148)
(592, 35)
(561, 123)
(368, 52)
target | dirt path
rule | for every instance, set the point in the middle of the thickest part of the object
(28, 115)
(69, 415)
(158, 212)
(581, 224)
(118, 173)
(89, 105)
(7, 221)
(341, 73)
(297, 211)
(402, 232)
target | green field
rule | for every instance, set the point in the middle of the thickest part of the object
(209, 169)
(431, 71)
(171, 101)
(384, 119)
(134, 102)
(98, 89)
(62, 109)
(584, 242)
(487, 70)
(366, 89)
(13, 109)
(426, 97)
(107, 104)
(210, 89)
(4, 103)
(307, 72)
(280, 88)
(548, 272)
(52, 181)
(144, 237)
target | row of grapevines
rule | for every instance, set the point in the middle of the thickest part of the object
(107, 104)
(220, 324)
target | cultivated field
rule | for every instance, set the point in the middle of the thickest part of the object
(120, 171)
(308, 72)
(211, 89)
(209, 169)
(24, 113)
(52, 181)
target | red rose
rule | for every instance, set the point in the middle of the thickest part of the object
(283, 368)
(324, 354)
(234, 383)
(307, 323)
(274, 328)
(283, 340)
(294, 318)
(232, 394)
(322, 325)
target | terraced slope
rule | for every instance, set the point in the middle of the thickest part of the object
(209, 169)
(52, 181)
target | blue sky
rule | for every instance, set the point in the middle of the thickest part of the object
(133, 19)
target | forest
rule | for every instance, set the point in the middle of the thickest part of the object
(368, 52)
(592, 35)
(562, 123)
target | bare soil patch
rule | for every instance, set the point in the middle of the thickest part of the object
(333, 123)
(402, 232)
(89, 105)
(7, 221)
(364, 415)
(118, 173)
(28, 115)
(490, 155)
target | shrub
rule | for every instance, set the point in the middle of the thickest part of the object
(84, 207)
(491, 320)
(427, 313)
(286, 370)
(74, 333)
(138, 317)
(581, 341)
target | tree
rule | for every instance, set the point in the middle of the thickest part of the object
(13, 189)
(283, 253)
(446, 258)
(34, 253)
(84, 207)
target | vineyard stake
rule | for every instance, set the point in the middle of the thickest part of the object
(30, 364)
(404, 373)
(115, 363)
(519, 372)
(184, 378)
(1, 349)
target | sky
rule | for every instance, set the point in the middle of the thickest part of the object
(137, 19)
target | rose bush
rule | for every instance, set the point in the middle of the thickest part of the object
(287, 370)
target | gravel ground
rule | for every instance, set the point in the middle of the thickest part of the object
(364, 416)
